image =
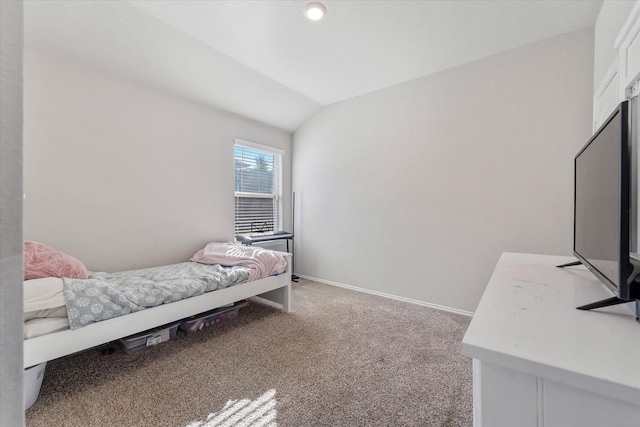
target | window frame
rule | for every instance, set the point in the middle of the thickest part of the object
(277, 183)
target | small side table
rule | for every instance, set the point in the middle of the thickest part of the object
(250, 239)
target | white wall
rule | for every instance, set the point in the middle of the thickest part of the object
(122, 176)
(11, 315)
(415, 190)
(613, 15)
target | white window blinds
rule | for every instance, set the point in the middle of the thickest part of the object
(258, 188)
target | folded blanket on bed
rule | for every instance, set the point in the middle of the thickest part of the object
(261, 262)
(106, 295)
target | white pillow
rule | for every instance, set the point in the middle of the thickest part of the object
(36, 327)
(44, 298)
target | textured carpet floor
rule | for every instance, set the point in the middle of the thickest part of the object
(340, 358)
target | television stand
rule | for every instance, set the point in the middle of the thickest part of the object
(602, 303)
(269, 236)
(569, 264)
(605, 302)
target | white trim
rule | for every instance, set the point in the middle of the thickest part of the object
(385, 295)
(255, 145)
(611, 74)
(255, 195)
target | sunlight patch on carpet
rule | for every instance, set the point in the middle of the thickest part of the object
(260, 412)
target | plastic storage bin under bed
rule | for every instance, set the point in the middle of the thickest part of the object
(211, 317)
(137, 342)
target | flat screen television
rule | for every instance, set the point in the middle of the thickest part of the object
(605, 208)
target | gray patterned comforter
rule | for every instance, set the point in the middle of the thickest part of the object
(106, 295)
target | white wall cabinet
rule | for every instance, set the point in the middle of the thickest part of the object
(628, 47)
(623, 78)
(607, 97)
(539, 362)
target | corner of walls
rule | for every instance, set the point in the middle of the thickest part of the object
(415, 190)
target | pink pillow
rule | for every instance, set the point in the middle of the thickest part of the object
(42, 261)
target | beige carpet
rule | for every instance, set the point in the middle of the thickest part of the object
(341, 358)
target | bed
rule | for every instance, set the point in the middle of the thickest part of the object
(274, 288)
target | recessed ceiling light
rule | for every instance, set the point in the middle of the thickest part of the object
(315, 11)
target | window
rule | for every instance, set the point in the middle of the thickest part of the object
(258, 187)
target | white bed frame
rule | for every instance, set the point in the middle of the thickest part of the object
(276, 289)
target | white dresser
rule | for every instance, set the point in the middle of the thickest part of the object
(540, 362)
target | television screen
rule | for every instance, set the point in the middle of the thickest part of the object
(605, 207)
(599, 205)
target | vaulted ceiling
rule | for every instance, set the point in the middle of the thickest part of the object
(266, 61)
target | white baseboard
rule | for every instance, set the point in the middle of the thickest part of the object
(382, 294)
